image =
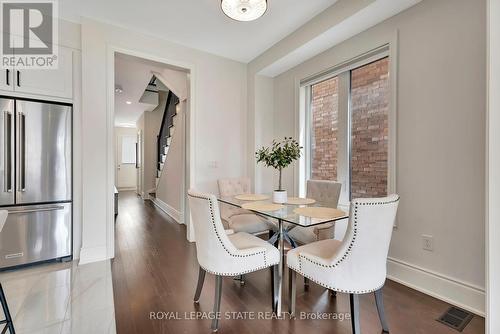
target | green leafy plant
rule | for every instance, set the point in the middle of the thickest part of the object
(279, 155)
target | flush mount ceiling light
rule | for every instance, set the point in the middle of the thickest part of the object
(244, 10)
(128, 102)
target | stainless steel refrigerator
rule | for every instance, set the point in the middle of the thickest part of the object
(35, 181)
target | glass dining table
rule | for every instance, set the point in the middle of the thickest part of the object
(286, 219)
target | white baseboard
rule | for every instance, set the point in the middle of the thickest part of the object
(125, 188)
(175, 214)
(93, 254)
(450, 290)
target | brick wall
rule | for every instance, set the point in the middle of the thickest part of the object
(369, 119)
(324, 109)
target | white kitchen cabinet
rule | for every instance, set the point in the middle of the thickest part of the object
(48, 82)
(6, 78)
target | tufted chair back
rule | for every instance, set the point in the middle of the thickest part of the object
(368, 237)
(3, 218)
(215, 251)
(366, 243)
(326, 193)
(212, 242)
(233, 187)
(359, 263)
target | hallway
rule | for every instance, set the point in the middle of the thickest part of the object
(155, 270)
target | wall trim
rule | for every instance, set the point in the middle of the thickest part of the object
(465, 295)
(492, 168)
(189, 163)
(93, 254)
(125, 188)
(172, 212)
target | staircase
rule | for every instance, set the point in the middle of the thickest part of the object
(165, 134)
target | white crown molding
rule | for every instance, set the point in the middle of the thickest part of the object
(363, 19)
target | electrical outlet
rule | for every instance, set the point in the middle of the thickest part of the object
(428, 242)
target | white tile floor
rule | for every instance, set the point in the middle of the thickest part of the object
(61, 298)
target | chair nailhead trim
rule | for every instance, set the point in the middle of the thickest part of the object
(349, 248)
(211, 206)
(337, 289)
(239, 272)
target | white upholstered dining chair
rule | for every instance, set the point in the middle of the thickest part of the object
(326, 193)
(224, 253)
(237, 219)
(357, 264)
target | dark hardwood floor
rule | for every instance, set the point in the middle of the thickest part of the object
(155, 270)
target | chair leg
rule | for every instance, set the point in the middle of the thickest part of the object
(293, 243)
(218, 294)
(354, 301)
(241, 279)
(199, 287)
(275, 275)
(292, 290)
(273, 296)
(8, 319)
(273, 240)
(379, 300)
(306, 283)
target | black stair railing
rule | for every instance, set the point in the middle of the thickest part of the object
(166, 124)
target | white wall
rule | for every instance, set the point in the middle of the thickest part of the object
(140, 125)
(152, 124)
(219, 111)
(170, 190)
(440, 147)
(170, 186)
(175, 80)
(493, 168)
(264, 124)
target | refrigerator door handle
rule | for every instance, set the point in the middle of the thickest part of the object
(7, 121)
(22, 152)
(52, 208)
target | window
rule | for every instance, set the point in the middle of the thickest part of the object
(369, 129)
(128, 149)
(324, 109)
(347, 126)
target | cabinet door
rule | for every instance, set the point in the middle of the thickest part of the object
(6, 78)
(50, 82)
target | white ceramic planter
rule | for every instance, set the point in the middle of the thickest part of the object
(280, 196)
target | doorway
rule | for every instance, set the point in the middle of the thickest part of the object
(126, 158)
(149, 97)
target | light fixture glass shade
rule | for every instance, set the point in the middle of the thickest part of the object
(244, 10)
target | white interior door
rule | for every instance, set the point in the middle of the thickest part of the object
(126, 177)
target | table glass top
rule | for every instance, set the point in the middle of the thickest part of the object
(286, 213)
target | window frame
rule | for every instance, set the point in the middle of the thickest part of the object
(343, 71)
(123, 141)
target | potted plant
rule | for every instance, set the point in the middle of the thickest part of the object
(279, 156)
